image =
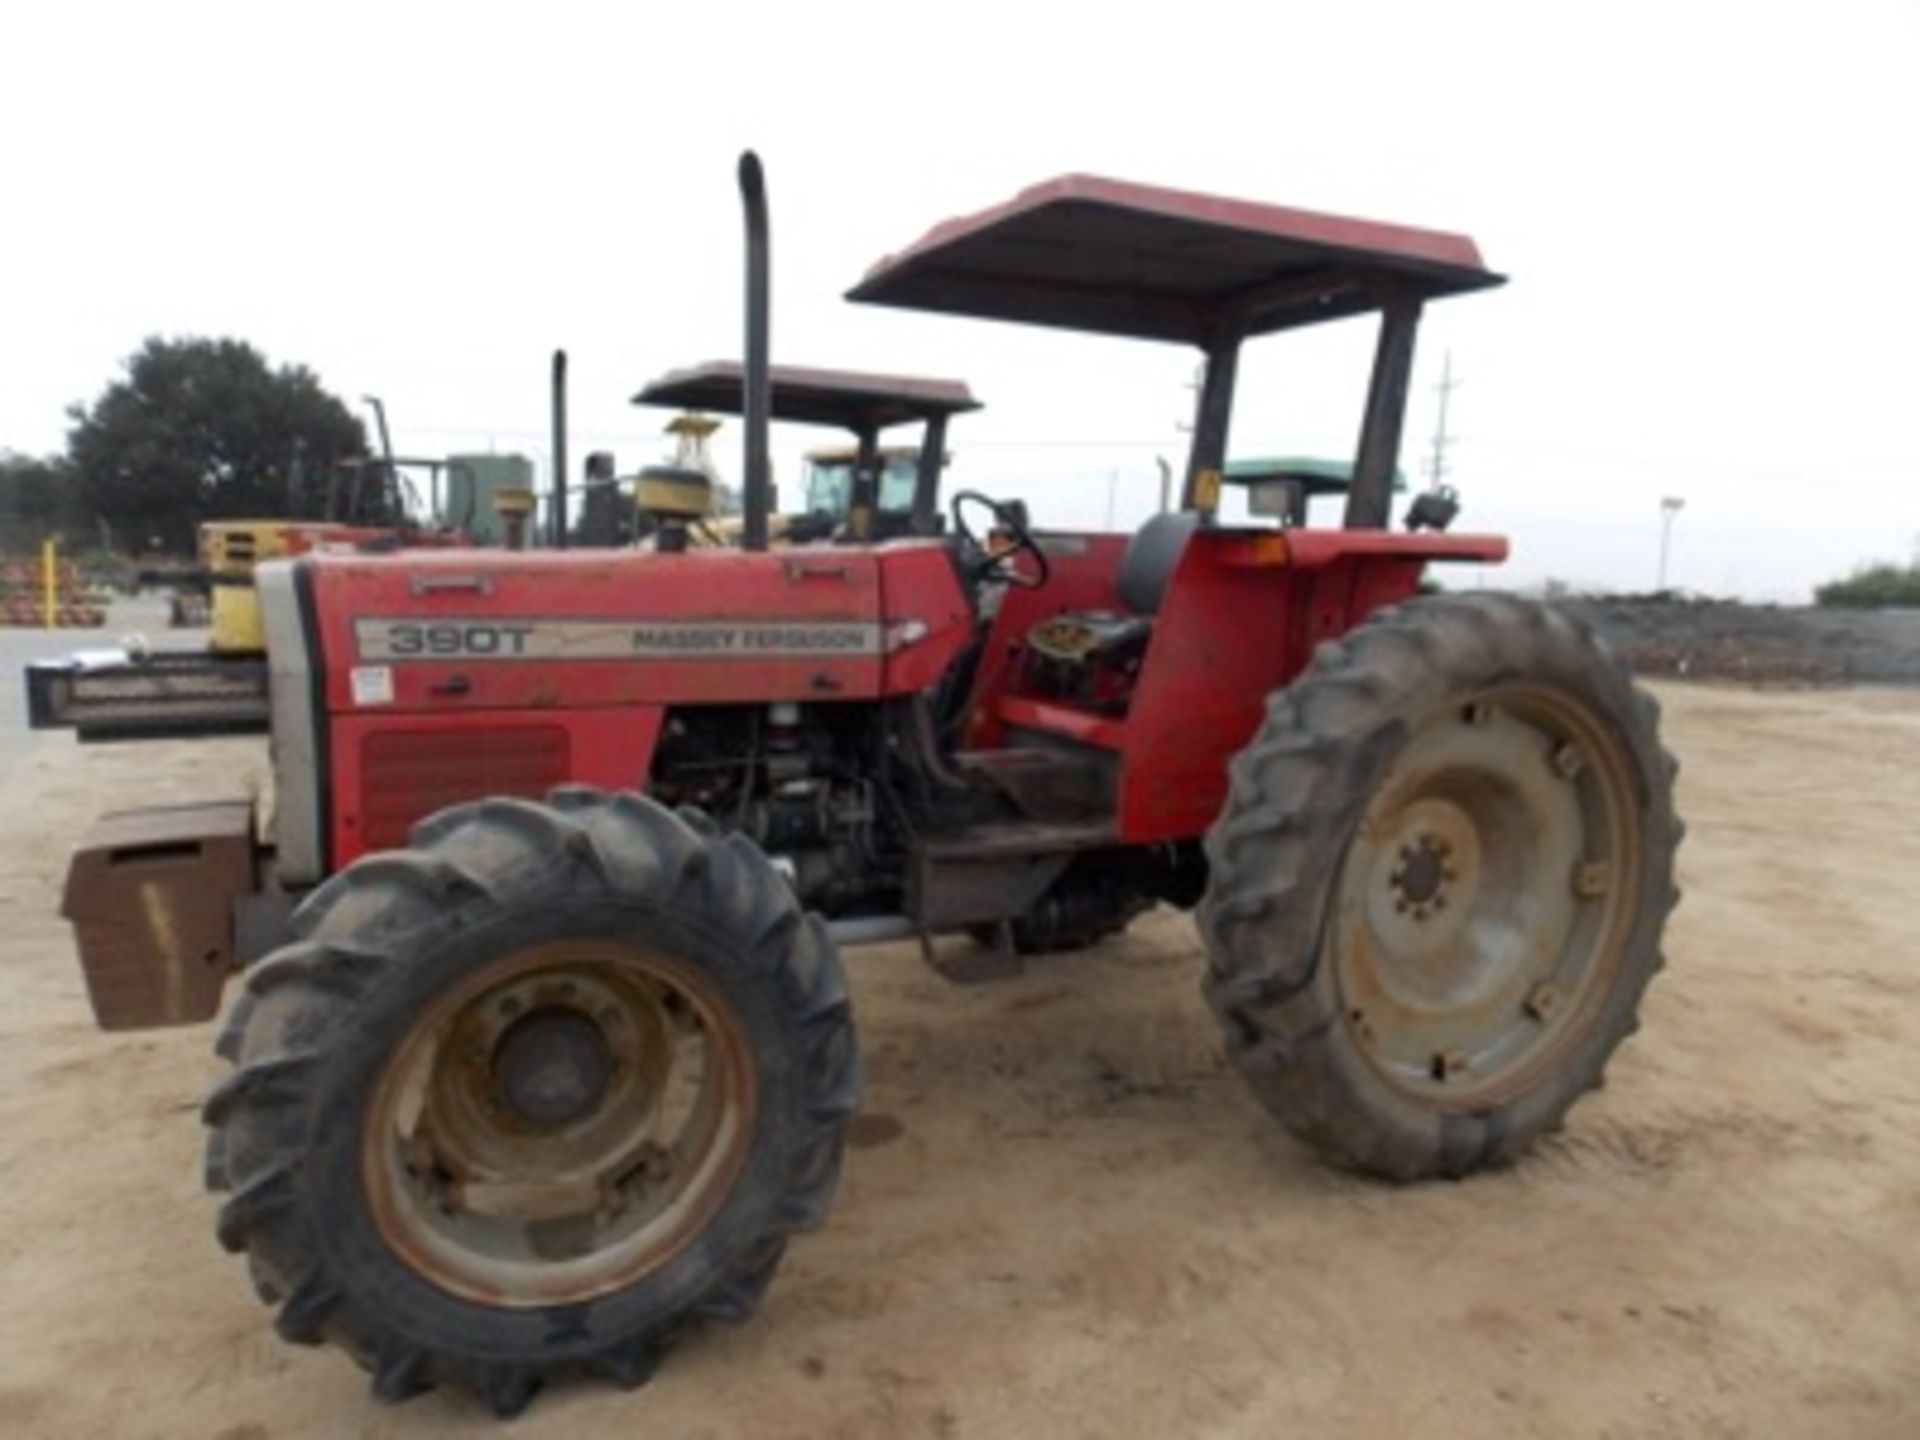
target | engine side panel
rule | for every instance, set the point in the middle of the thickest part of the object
(449, 678)
(929, 620)
(445, 634)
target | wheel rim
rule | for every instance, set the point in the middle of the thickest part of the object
(565, 1121)
(1482, 906)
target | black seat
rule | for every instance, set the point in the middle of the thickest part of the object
(1082, 637)
(1150, 557)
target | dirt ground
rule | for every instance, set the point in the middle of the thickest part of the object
(1064, 1217)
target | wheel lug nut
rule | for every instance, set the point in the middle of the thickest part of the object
(1543, 1000)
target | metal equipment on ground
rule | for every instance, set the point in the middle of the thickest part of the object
(124, 694)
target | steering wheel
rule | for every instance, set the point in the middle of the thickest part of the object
(998, 564)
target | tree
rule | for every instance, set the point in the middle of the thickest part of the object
(37, 498)
(1871, 587)
(203, 428)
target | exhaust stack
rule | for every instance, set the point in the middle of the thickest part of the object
(558, 512)
(758, 480)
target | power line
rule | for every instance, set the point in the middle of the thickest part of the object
(1808, 479)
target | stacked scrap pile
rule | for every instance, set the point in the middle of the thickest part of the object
(23, 596)
(1765, 645)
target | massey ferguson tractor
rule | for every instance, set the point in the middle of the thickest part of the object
(553, 1050)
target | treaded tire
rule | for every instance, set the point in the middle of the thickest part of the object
(378, 942)
(1297, 794)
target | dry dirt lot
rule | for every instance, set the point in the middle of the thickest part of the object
(1065, 1218)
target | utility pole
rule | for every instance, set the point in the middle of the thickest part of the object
(1184, 424)
(1437, 462)
(1670, 506)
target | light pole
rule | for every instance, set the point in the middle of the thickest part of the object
(1670, 506)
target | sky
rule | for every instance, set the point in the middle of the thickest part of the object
(1708, 213)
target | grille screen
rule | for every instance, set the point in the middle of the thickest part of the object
(409, 774)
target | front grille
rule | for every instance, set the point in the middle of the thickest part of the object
(407, 775)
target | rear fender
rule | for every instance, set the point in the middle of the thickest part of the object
(1242, 616)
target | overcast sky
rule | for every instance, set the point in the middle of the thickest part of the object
(1709, 213)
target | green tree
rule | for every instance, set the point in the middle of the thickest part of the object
(37, 498)
(1872, 586)
(204, 428)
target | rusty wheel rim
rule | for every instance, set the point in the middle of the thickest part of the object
(561, 1124)
(1482, 906)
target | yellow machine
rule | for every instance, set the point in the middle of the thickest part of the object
(830, 483)
(514, 504)
(859, 492)
(229, 551)
(667, 490)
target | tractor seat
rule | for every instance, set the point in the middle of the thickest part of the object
(1102, 636)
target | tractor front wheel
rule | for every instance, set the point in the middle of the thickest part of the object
(1438, 886)
(532, 1096)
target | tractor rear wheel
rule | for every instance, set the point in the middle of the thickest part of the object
(533, 1095)
(1438, 886)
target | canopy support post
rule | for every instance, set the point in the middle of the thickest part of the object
(1208, 455)
(1370, 499)
(926, 487)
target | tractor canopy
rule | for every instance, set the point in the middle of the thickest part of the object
(849, 399)
(864, 404)
(1086, 253)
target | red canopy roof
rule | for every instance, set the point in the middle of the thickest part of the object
(846, 398)
(1087, 253)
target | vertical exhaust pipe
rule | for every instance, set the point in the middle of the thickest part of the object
(758, 481)
(558, 511)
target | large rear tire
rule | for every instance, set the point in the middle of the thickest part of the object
(532, 1096)
(1438, 887)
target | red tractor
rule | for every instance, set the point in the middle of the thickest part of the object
(555, 1050)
